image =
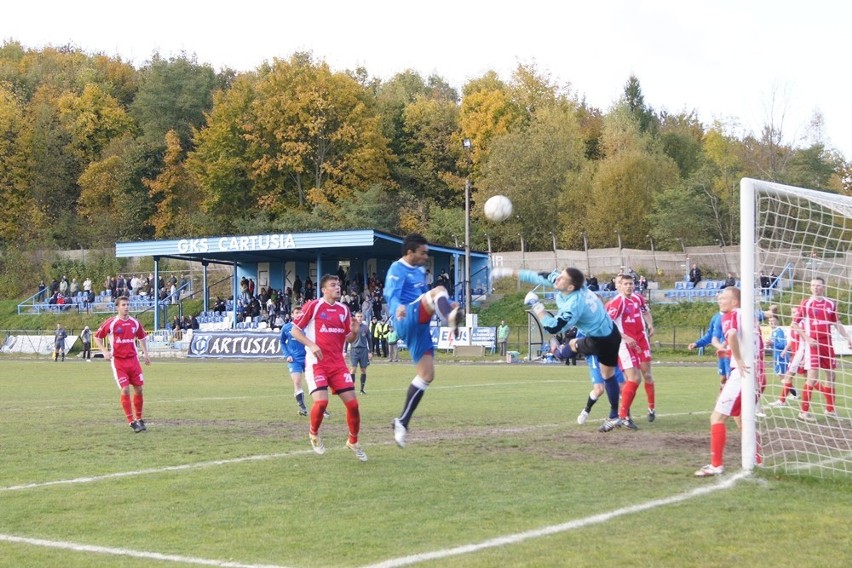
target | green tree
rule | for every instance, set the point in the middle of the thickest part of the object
(533, 167)
(174, 94)
(315, 136)
(20, 216)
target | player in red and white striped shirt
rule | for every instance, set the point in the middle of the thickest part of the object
(123, 332)
(633, 319)
(813, 322)
(324, 327)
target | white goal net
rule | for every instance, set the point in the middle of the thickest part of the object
(794, 239)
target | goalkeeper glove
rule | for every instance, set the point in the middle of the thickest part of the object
(531, 298)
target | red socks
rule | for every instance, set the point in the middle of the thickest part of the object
(317, 410)
(127, 407)
(137, 405)
(718, 435)
(806, 397)
(353, 419)
(628, 393)
(649, 390)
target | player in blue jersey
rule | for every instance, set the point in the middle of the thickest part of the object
(411, 304)
(562, 351)
(294, 352)
(579, 307)
(715, 338)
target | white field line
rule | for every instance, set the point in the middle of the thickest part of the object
(725, 482)
(155, 470)
(129, 552)
(214, 463)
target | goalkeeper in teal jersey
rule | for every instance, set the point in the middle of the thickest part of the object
(579, 307)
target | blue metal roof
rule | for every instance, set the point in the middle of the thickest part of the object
(363, 243)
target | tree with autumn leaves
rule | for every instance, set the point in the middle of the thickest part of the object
(94, 151)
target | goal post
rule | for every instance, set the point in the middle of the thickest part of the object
(790, 236)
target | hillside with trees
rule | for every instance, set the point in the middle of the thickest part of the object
(94, 151)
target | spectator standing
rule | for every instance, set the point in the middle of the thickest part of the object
(42, 291)
(374, 332)
(813, 322)
(86, 338)
(59, 337)
(393, 346)
(327, 326)
(124, 333)
(361, 350)
(502, 337)
(765, 284)
(383, 337)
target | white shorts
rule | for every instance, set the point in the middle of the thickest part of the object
(730, 397)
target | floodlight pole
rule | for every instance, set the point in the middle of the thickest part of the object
(466, 144)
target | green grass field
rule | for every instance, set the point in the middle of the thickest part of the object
(497, 473)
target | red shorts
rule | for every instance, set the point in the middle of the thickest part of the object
(127, 372)
(335, 376)
(631, 357)
(821, 356)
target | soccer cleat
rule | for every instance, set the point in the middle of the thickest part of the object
(832, 414)
(142, 425)
(778, 404)
(303, 412)
(629, 424)
(316, 444)
(610, 424)
(652, 415)
(793, 394)
(135, 426)
(806, 417)
(581, 419)
(454, 321)
(399, 432)
(363, 391)
(710, 471)
(359, 452)
(326, 414)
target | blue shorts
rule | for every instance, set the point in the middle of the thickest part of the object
(417, 336)
(724, 366)
(297, 366)
(595, 371)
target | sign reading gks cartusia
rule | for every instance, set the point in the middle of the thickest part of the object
(228, 244)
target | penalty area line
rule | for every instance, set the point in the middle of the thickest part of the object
(724, 482)
(62, 545)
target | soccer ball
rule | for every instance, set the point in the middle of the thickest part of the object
(498, 208)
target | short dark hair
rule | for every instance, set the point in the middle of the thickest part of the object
(576, 276)
(325, 278)
(413, 242)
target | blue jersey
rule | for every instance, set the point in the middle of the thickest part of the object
(580, 308)
(714, 331)
(779, 357)
(404, 283)
(289, 346)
